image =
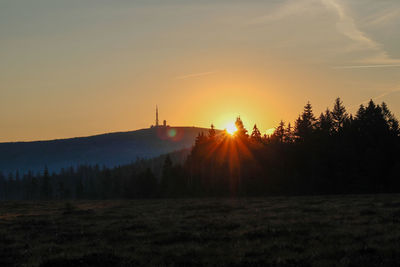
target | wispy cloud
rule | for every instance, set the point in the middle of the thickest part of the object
(348, 27)
(194, 75)
(345, 25)
(385, 17)
(368, 66)
(287, 9)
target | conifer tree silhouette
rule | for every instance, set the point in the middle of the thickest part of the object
(256, 134)
(46, 191)
(338, 115)
(279, 133)
(211, 132)
(305, 124)
(241, 130)
(325, 123)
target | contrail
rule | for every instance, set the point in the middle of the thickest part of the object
(193, 75)
(368, 66)
(378, 96)
(387, 93)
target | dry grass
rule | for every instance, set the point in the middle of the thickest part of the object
(278, 231)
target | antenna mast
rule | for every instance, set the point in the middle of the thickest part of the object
(156, 116)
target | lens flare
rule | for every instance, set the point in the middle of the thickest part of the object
(231, 128)
(171, 132)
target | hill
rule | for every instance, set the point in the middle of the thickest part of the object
(110, 149)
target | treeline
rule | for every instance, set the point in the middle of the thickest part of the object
(334, 153)
(137, 180)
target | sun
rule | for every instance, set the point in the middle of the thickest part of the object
(231, 128)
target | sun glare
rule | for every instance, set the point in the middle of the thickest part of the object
(231, 128)
(270, 131)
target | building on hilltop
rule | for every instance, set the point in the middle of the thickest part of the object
(157, 121)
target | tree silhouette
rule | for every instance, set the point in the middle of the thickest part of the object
(46, 191)
(241, 130)
(167, 176)
(279, 133)
(339, 115)
(3, 185)
(289, 136)
(392, 122)
(256, 135)
(79, 190)
(335, 153)
(305, 124)
(325, 123)
(212, 132)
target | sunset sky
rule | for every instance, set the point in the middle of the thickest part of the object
(83, 67)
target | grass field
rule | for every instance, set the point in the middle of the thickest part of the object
(278, 231)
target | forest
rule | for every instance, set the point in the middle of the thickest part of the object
(333, 153)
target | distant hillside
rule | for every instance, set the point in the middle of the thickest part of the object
(110, 149)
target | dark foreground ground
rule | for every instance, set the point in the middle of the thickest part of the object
(293, 231)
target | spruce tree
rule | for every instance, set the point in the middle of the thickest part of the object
(339, 115)
(288, 138)
(391, 120)
(279, 133)
(167, 176)
(241, 130)
(325, 123)
(256, 135)
(211, 132)
(305, 124)
(2, 186)
(46, 191)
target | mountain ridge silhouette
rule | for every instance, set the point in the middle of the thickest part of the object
(108, 149)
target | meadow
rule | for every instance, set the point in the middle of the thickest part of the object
(352, 230)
